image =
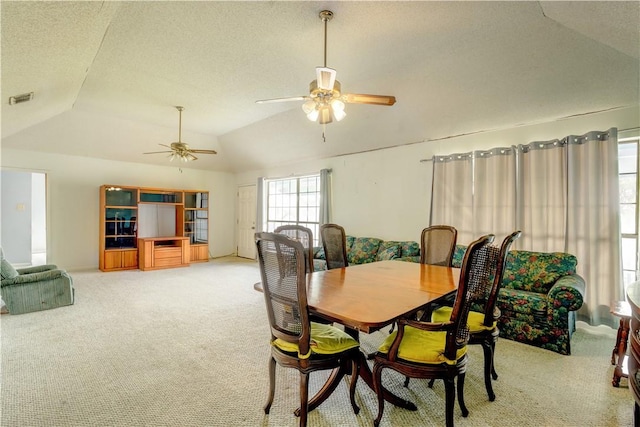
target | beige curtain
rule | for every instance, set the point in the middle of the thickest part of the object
(562, 194)
(593, 228)
(449, 207)
(494, 195)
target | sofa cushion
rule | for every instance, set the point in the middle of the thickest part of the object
(363, 250)
(536, 271)
(349, 241)
(527, 303)
(319, 264)
(6, 270)
(458, 256)
(409, 249)
(388, 251)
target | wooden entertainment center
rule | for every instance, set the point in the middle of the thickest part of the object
(152, 228)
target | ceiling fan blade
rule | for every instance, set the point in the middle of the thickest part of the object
(203, 151)
(165, 145)
(359, 98)
(157, 152)
(325, 78)
(293, 98)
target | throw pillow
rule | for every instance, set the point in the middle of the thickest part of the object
(387, 252)
(7, 271)
(364, 250)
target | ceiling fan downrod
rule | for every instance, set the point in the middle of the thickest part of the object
(326, 16)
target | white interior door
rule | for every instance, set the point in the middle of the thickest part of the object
(247, 221)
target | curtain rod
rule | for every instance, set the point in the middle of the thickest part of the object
(634, 129)
(295, 175)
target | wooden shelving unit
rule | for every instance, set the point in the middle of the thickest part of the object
(121, 219)
(196, 223)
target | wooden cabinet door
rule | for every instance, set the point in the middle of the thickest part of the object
(112, 260)
(199, 253)
(118, 260)
(130, 259)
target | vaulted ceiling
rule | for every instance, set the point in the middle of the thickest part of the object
(106, 76)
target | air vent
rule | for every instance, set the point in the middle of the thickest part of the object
(17, 99)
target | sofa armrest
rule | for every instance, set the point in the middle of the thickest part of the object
(567, 292)
(36, 269)
(34, 277)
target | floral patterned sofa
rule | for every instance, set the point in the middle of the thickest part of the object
(539, 297)
(361, 250)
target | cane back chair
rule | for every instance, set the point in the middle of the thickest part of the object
(334, 243)
(484, 315)
(437, 244)
(303, 235)
(438, 350)
(296, 342)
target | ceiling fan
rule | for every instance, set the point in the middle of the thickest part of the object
(180, 149)
(325, 101)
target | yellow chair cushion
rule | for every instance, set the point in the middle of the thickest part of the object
(475, 319)
(325, 339)
(422, 346)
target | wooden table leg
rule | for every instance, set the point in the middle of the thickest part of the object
(621, 346)
(367, 376)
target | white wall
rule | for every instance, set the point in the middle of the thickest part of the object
(38, 213)
(16, 216)
(73, 200)
(387, 193)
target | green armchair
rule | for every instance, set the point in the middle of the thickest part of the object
(34, 288)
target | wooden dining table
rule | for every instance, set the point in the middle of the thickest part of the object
(367, 297)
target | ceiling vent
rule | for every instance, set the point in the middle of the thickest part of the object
(17, 99)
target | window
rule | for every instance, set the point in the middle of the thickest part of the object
(294, 201)
(628, 177)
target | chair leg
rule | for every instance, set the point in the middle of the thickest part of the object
(272, 384)
(450, 400)
(355, 368)
(463, 407)
(487, 349)
(494, 374)
(304, 399)
(377, 383)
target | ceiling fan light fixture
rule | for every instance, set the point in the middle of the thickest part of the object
(313, 115)
(337, 108)
(325, 77)
(325, 115)
(309, 107)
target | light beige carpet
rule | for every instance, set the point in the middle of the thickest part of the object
(189, 347)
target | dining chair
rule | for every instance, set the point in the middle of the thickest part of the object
(438, 350)
(296, 342)
(437, 245)
(303, 235)
(484, 315)
(334, 243)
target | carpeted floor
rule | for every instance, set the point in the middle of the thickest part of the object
(189, 347)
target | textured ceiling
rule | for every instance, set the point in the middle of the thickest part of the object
(107, 75)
